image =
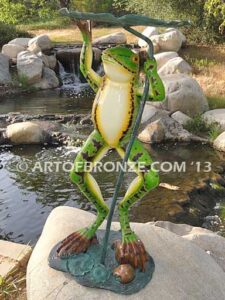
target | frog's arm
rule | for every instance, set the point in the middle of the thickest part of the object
(157, 90)
(86, 57)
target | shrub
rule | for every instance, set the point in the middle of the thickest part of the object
(207, 16)
(11, 12)
(14, 12)
(91, 6)
(10, 32)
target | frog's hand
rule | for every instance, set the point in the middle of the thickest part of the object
(86, 57)
(157, 90)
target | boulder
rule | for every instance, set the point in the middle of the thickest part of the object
(175, 65)
(5, 76)
(164, 57)
(164, 129)
(30, 66)
(148, 113)
(41, 41)
(148, 32)
(48, 60)
(180, 117)
(156, 48)
(34, 48)
(217, 116)
(152, 113)
(168, 41)
(12, 50)
(183, 93)
(209, 241)
(219, 142)
(114, 38)
(183, 270)
(183, 37)
(20, 41)
(26, 133)
(152, 133)
(49, 80)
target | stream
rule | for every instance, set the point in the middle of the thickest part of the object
(29, 192)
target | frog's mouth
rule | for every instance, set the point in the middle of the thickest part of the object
(108, 58)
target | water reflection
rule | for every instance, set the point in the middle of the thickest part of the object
(27, 198)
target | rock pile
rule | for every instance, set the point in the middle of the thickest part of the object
(34, 63)
(163, 121)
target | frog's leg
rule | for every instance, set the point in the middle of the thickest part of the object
(157, 90)
(86, 57)
(131, 250)
(93, 150)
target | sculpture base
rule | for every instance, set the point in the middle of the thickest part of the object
(87, 270)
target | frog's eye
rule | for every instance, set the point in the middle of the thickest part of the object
(135, 59)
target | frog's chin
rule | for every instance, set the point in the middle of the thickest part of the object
(117, 72)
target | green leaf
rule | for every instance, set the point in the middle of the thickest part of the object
(1, 280)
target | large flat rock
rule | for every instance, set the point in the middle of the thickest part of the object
(13, 257)
(183, 270)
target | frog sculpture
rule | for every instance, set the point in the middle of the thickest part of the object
(118, 95)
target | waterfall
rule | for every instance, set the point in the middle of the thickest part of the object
(71, 83)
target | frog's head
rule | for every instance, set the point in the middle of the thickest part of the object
(120, 63)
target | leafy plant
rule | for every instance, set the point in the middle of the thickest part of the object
(215, 14)
(214, 131)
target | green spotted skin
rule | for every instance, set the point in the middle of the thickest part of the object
(157, 92)
(147, 179)
(96, 147)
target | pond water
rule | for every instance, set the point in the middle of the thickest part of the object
(28, 191)
(47, 102)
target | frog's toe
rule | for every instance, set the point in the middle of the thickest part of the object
(75, 243)
(132, 253)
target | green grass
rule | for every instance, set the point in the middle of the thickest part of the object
(49, 24)
(216, 102)
(21, 82)
(200, 64)
(200, 127)
(11, 288)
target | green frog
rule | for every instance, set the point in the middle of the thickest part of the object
(115, 108)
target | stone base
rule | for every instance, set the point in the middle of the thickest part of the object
(183, 271)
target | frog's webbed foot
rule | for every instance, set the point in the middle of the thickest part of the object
(75, 243)
(131, 252)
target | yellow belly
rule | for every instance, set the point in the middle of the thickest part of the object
(113, 110)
